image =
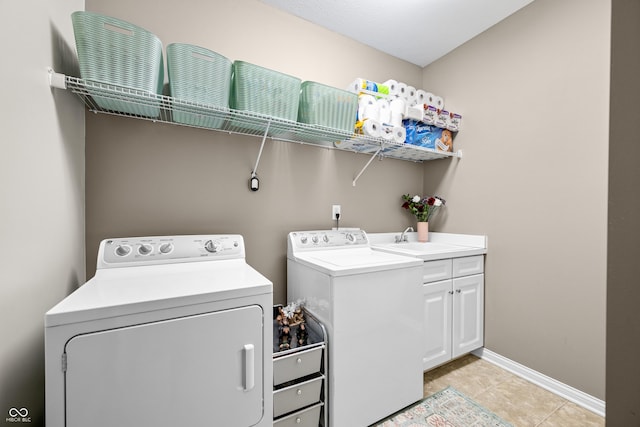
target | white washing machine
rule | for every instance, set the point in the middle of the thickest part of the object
(171, 331)
(370, 303)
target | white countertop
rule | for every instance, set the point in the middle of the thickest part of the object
(439, 246)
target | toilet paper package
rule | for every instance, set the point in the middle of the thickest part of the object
(414, 113)
(428, 136)
(429, 114)
(442, 119)
(386, 132)
(397, 134)
(453, 124)
(359, 85)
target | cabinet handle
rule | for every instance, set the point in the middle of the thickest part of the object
(299, 360)
(298, 420)
(450, 292)
(299, 392)
(458, 291)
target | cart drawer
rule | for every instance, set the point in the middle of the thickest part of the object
(434, 271)
(296, 396)
(296, 365)
(467, 266)
(309, 417)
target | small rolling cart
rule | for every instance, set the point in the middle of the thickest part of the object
(299, 370)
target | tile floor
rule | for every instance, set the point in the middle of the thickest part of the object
(515, 400)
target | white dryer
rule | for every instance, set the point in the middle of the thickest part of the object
(370, 303)
(170, 331)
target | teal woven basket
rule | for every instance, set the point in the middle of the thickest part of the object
(116, 52)
(327, 106)
(201, 76)
(265, 92)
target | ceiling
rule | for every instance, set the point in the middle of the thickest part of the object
(417, 31)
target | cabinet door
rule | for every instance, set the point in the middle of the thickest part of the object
(468, 314)
(198, 370)
(437, 320)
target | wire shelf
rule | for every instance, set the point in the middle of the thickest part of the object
(140, 104)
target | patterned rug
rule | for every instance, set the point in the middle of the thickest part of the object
(446, 408)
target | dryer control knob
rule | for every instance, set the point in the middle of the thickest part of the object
(123, 250)
(145, 249)
(212, 246)
(350, 237)
(165, 248)
(303, 239)
(315, 239)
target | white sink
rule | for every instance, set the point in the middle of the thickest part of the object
(455, 247)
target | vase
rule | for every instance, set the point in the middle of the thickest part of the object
(423, 232)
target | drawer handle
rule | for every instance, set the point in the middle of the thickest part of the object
(299, 360)
(458, 291)
(298, 392)
(298, 420)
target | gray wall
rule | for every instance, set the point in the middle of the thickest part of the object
(145, 178)
(41, 192)
(623, 269)
(534, 93)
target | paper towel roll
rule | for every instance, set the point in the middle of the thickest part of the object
(399, 134)
(411, 95)
(421, 96)
(402, 90)
(371, 128)
(372, 112)
(396, 119)
(393, 86)
(398, 105)
(439, 102)
(430, 99)
(384, 111)
(364, 106)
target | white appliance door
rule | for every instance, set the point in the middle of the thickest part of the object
(203, 370)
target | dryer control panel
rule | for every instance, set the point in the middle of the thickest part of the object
(130, 251)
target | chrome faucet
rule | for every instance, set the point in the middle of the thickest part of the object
(402, 237)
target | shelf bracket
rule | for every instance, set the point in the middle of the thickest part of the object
(57, 80)
(253, 180)
(366, 166)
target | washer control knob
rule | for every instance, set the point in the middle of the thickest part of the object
(304, 240)
(325, 238)
(145, 249)
(165, 248)
(212, 246)
(315, 239)
(350, 237)
(123, 250)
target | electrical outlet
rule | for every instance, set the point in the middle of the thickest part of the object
(335, 210)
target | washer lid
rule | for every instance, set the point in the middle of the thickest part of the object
(116, 292)
(340, 262)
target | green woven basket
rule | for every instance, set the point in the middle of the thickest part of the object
(119, 53)
(327, 106)
(200, 76)
(265, 92)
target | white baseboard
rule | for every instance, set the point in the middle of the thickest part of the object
(574, 395)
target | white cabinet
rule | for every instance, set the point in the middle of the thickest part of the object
(453, 293)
